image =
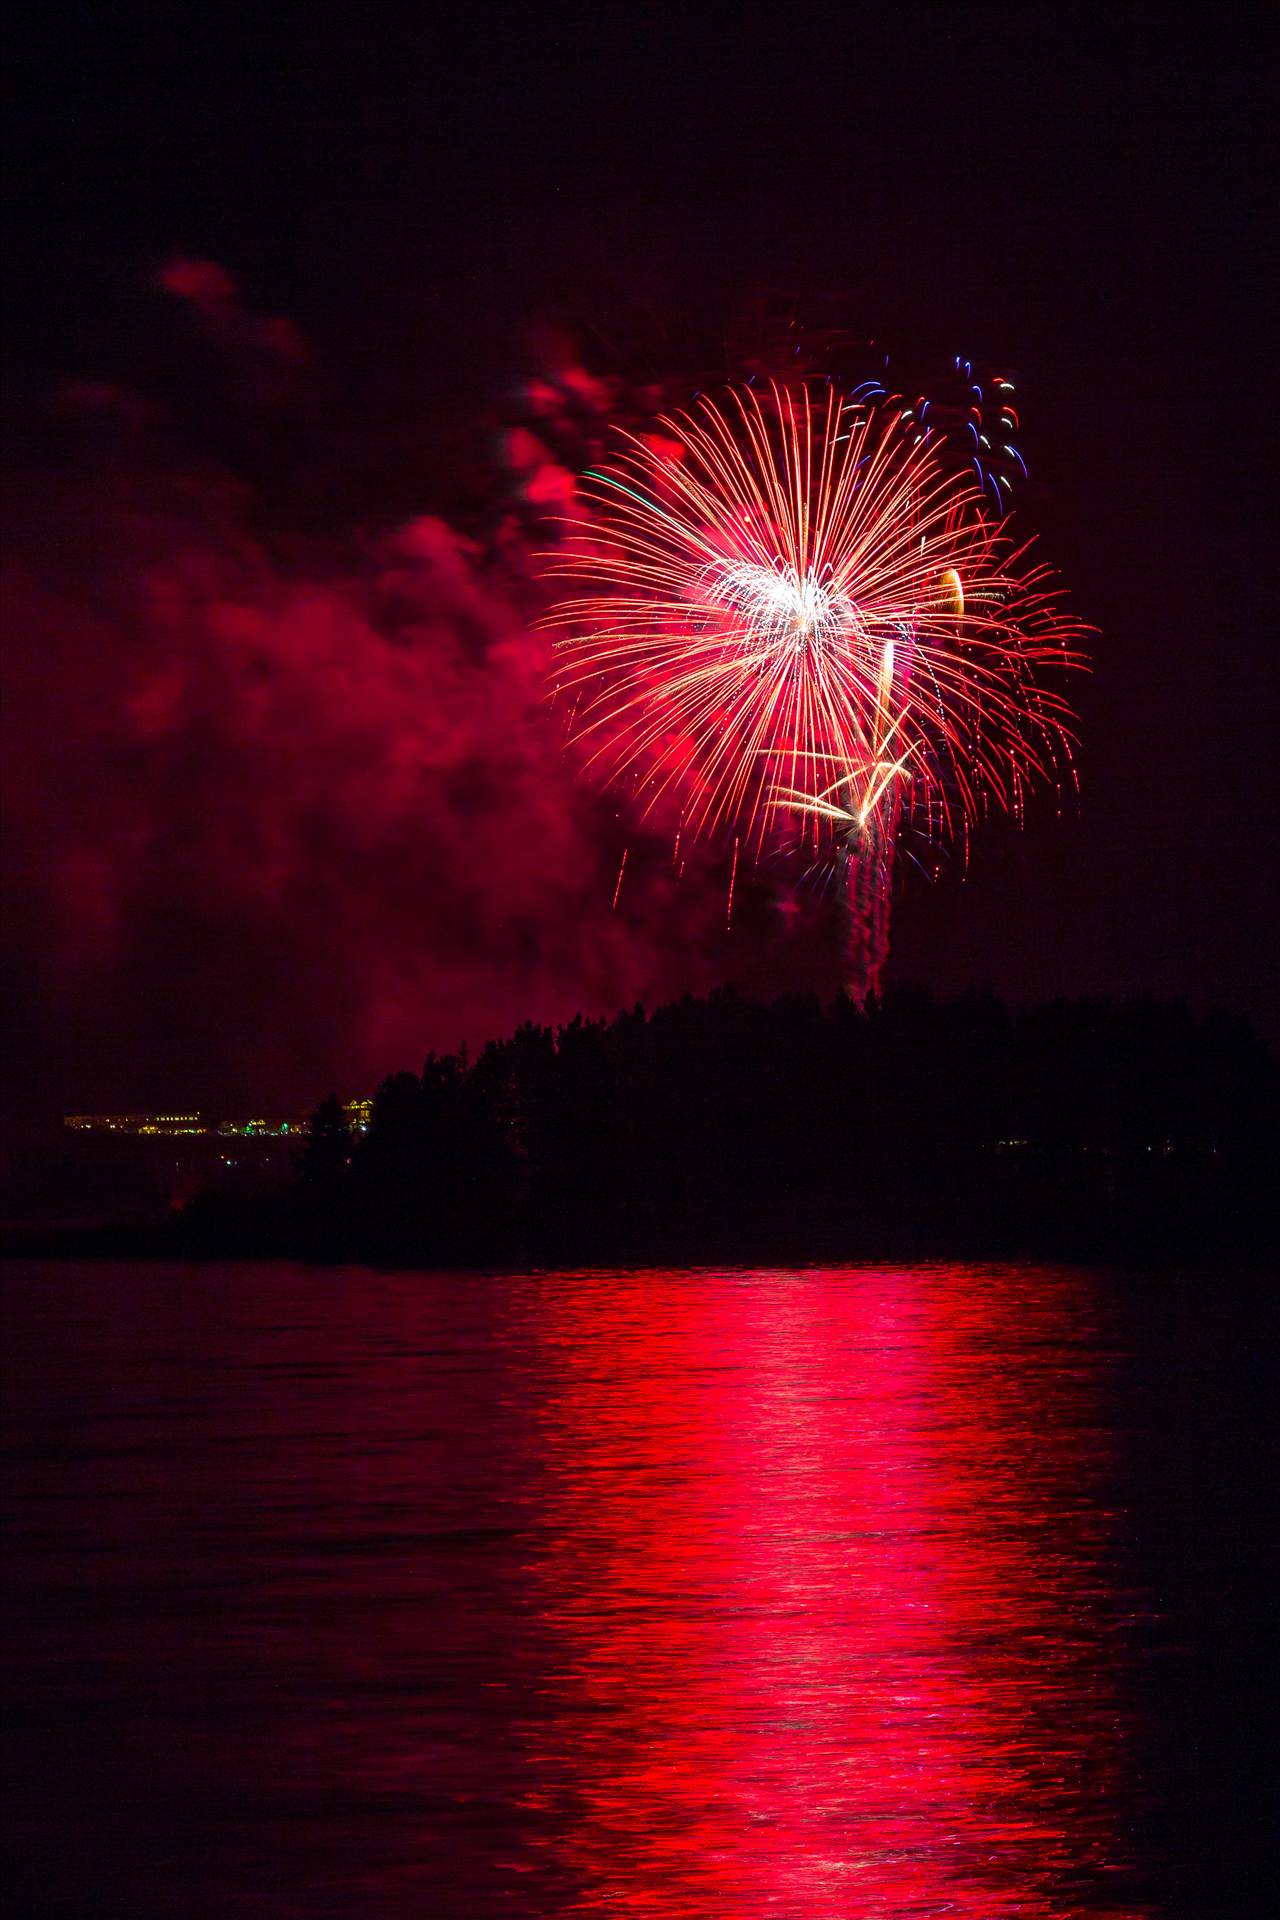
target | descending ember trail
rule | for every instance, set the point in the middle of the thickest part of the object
(797, 618)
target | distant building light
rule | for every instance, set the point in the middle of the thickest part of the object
(166, 1124)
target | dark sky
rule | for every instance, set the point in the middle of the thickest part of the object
(280, 807)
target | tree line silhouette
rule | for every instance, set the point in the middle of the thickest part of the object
(723, 1128)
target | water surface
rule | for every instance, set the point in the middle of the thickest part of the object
(892, 1592)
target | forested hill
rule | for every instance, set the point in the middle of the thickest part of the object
(721, 1128)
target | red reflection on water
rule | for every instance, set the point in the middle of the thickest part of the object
(822, 1564)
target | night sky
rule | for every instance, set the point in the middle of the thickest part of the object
(283, 806)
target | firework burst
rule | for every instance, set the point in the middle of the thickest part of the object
(793, 616)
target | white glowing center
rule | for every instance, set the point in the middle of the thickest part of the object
(778, 605)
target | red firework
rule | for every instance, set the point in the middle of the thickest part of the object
(788, 610)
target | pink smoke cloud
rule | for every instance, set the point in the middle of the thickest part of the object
(285, 812)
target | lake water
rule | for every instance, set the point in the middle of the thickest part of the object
(842, 1592)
